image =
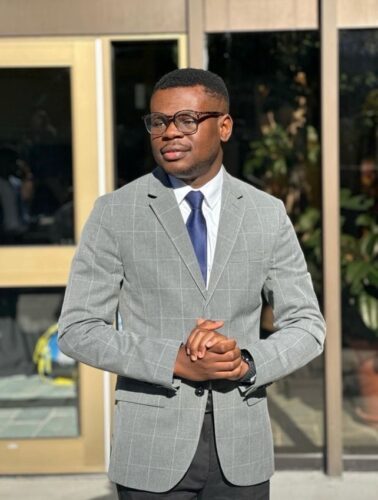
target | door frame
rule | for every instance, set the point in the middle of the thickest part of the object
(48, 266)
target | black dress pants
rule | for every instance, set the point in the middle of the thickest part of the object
(204, 479)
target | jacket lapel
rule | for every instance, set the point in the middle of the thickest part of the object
(231, 216)
(163, 203)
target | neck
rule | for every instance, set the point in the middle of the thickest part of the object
(196, 182)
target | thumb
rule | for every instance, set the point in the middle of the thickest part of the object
(210, 323)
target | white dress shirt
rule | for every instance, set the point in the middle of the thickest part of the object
(212, 192)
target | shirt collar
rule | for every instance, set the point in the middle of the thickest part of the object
(211, 191)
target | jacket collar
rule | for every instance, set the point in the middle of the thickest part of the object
(164, 204)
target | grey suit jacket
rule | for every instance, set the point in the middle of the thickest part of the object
(135, 255)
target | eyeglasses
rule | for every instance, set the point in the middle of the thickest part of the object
(186, 121)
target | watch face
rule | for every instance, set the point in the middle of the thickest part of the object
(246, 356)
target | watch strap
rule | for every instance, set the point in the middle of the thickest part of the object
(250, 375)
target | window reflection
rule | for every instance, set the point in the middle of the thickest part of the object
(273, 80)
(38, 383)
(359, 206)
(137, 67)
(36, 205)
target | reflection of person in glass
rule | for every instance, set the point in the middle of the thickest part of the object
(49, 155)
(184, 254)
(16, 193)
(369, 178)
(43, 148)
(41, 131)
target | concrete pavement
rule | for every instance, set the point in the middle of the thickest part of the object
(297, 485)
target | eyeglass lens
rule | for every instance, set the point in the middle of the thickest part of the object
(184, 122)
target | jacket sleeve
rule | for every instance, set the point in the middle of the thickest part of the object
(300, 327)
(86, 325)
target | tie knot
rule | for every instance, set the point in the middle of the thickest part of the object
(195, 199)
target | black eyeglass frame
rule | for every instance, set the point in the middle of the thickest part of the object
(198, 117)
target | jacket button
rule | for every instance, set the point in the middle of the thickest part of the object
(200, 391)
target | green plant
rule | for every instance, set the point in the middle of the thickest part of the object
(283, 159)
(358, 253)
(281, 149)
(276, 160)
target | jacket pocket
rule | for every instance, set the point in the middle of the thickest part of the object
(252, 401)
(256, 396)
(140, 398)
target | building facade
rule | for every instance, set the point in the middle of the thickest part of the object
(75, 79)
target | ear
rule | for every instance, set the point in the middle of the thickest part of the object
(225, 127)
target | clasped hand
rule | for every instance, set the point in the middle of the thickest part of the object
(209, 355)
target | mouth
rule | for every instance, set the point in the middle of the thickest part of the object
(172, 153)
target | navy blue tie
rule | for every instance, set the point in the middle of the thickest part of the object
(196, 225)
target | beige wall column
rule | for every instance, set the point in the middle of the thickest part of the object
(91, 17)
(196, 36)
(331, 233)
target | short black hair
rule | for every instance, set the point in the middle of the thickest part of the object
(191, 77)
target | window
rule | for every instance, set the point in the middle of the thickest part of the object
(358, 202)
(273, 80)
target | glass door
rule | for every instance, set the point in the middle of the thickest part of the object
(132, 66)
(51, 409)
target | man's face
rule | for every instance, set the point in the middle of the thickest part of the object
(194, 158)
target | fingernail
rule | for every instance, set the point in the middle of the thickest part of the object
(193, 357)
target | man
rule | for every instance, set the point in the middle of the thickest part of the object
(185, 254)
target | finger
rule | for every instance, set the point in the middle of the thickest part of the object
(215, 339)
(237, 373)
(229, 356)
(198, 343)
(192, 345)
(191, 338)
(224, 346)
(207, 340)
(202, 340)
(228, 370)
(195, 344)
(209, 324)
(224, 362)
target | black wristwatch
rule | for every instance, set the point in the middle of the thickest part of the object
(250, 376)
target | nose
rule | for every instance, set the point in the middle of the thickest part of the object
(172, 130)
